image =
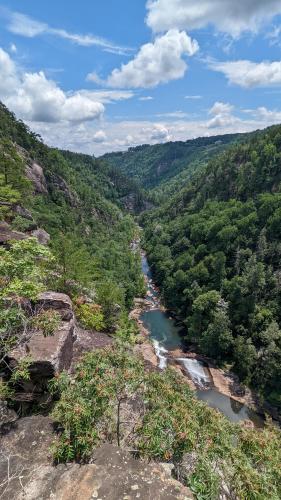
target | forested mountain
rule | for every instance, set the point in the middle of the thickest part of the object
(168, 165)
(215, 250)
(77, 199)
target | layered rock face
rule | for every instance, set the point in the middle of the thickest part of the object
(113, 475)
(35, 174)
(52, 354)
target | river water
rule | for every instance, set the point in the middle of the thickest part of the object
(165, 336)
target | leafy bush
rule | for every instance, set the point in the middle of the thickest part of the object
(21, 224)
(169, 422)
(24, 271)
(90, 316)
(47, 322)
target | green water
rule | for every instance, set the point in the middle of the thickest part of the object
(165, 335)
(162, 329)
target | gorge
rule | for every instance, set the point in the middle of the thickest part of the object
(167, 337)
(81, 408)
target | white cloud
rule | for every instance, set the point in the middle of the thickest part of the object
(249, 74)
(193, 97)
(13, 48)
(266, 115)
(99, 136)
(146, 98)
(221, 108)
(122, 134)
(20, 24)
(222, 115)
(33, 97)
(23, 25)
(228, 16)
(158, 133)
(174, 114)
(155, 63)
(108, 96)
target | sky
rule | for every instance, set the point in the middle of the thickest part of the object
(98, 76)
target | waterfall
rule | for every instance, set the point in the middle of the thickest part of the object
(160, 352)
(196, 371)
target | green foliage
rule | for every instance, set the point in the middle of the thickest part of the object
(87, 408)
(24, 271)
(171, 422)
(46, 322)
(90, 316)
(166, 167)
(90, 235)
(21, 371)
(21, 224)
(217, 241)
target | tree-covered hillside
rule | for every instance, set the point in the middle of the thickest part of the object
(77, 200)
(171, 164)
(215, 250)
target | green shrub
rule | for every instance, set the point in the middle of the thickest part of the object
(47, 322)
(21, 224)
(170, 422)
(90, 316)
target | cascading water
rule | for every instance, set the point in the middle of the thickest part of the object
(165, 336)
(160, 352)
(197, 372)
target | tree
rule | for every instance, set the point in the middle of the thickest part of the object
(217, 340)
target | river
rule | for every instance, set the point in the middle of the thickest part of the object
(166, 338)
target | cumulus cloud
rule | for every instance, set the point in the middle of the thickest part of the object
(33, 97)
(228, 16)
(249, 74)
(23, 25)
(222, 115)
(126, 133)
(155, 63)
(99, 136)
(266, 115)
(221, 108)
(158, 133)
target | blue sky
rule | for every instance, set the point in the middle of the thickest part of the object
(98, 76)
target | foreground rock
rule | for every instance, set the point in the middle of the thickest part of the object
(50, 355)
(24, 450)
(114, 475)
(57, 301)
(7, 417)
(88, 341)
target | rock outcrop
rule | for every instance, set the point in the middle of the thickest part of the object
(113, 475)
(24, 450)
(35, 174)
(57, 301)
(42, 236)
(88, 341)
(8, 234)
(49, 355)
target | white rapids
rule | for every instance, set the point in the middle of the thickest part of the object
(160, 352)
(196, 371)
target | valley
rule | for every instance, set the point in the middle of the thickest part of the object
(124, 391)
